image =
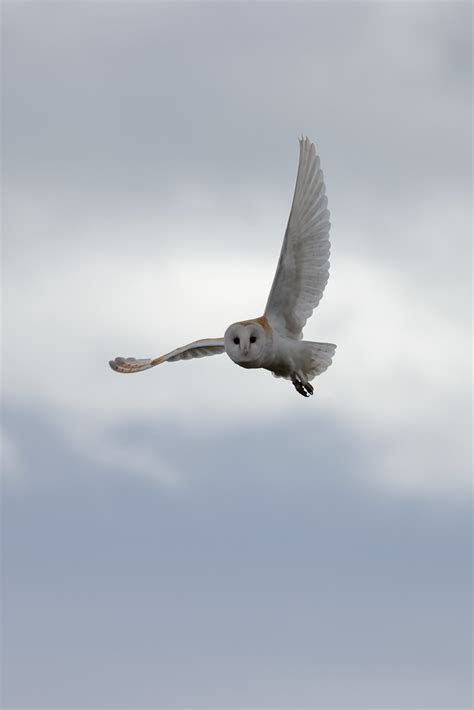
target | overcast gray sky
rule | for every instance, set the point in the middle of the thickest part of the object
(201, 536)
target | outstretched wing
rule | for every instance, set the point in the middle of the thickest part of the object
(199, 348)
(303, 267)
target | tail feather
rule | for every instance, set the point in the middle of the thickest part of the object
(321, 358)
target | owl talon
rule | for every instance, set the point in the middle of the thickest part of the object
(303, 388)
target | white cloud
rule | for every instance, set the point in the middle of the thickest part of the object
(89, 437)
(398, 379)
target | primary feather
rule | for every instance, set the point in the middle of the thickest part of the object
(303, 268)
(198, 348)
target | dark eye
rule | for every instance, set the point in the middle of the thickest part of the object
(253, 338)
(236, 341)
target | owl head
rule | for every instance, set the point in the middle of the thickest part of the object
(245, 342)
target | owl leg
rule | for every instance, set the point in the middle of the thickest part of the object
(302, 387)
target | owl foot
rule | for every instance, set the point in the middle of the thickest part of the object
(303, 388)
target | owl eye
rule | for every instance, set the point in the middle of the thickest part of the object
(236, 341)
(253, 338)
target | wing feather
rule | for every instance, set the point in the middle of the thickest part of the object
(198, 348)
(303, 268)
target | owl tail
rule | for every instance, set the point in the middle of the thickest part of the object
(320, 359)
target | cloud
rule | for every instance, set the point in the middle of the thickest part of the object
(201, 517)
(400, 368)
(244, 568)
(120, 111)
(145, 205)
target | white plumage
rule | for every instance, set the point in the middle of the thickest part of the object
(274, 341)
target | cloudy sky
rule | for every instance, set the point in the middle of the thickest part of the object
(201, 536)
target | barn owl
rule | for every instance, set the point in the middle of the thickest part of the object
(274, 341)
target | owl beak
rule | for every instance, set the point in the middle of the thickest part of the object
(245, 350)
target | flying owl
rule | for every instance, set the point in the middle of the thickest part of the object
(274, 341)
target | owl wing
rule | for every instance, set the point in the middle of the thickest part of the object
(199, 348)
(303, 267)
